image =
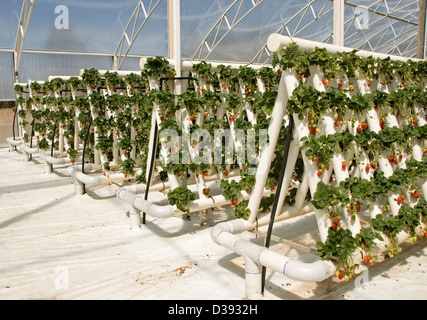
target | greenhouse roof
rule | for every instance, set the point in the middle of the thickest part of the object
(65, 36)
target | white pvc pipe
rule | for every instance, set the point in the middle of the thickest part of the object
(276, 42)
(286, 85)
(225, 234)
(164, 211)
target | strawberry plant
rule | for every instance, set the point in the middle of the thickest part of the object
(228, 77)
(181, 197)
(248, 76)
(269, 77)
(128, 166)
(366, 240)
(322, 149)
(230, 189)
(390, 227)
(91, 78)
(158, 67)
(241, 210)
(339, 246)
(292, 57)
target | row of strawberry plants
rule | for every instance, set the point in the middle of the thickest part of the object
(119, 110)
(348, 107)
(349, 66)
(213, 89)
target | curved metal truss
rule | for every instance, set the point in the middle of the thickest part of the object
(24, 22)
(395, 22)
(231, 19)
(139, 17)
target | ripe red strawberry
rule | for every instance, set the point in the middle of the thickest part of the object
(367, 167)
(358, 129)
(206, 113)
(278, 72)
(414, 122)
(192, 118)
(371, 262)
(366, 258)
(334, 227)
(373, 166)
(358, 206)
(299, 77)
(312, 130)
(226, 172)
(425, 234)
(364, 125)
(399, 200)
(340, 84)
(340, 275)
(337, 123)
(416, 194)
(319, 173)
(162, 117)
(369, 84)
(344, 165)
(336, 221)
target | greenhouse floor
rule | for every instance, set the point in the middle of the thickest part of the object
(58, 245)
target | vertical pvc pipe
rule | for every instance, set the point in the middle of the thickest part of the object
(288, 82)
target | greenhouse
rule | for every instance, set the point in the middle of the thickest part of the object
(213, 150)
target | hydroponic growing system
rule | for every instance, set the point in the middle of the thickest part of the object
(335, 131)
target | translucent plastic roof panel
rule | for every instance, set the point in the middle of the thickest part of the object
(9, 18)
(93, 26)
(388, 26)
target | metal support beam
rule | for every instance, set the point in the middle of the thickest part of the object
(24, 22)
(339, 22)
(174, 34)
(422, 25)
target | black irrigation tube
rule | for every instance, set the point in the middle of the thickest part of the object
(13, 124)
(278, 191)
(16, 120)
(53, 142)
(31, 139)
(84, 150)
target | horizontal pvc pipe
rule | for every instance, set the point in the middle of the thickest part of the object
(187, 65)
(54, 160)
(163, 211)
(224, 234)
(32, 151)
(50, 78)
(14, 142)
(276, 42)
